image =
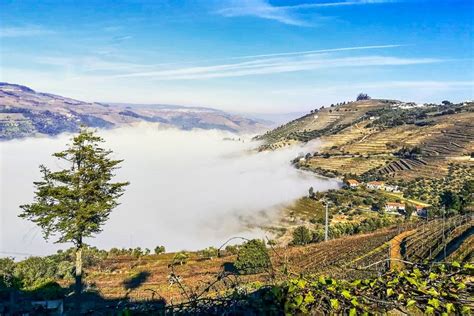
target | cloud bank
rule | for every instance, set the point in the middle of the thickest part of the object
(189, 189)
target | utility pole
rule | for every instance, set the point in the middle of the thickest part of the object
(444, 235)
(326, 224)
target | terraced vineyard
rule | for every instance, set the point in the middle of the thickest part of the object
(447, 141)
(465, 253)
(343, 257)
(323, 122)
(365, 136)
(430, 240)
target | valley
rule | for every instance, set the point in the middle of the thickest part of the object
(25, 112)
(406, 204)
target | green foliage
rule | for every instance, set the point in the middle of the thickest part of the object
(409, 210)
(362, 97)
(46, 290)
(439, 289)
(252, 257)
(137, 252)
(180, 258)
(35, 270)
(407, 152)
(349, 228)
(450, 200)
(301, 236)
(391, 117)
(75, 202)
(232, 249)
(208, 253)
(8, 280)
(159, 250)
(459, 182)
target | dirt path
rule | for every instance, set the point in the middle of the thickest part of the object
(401, 197)
(395, 250)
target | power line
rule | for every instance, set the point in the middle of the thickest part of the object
(18, 253)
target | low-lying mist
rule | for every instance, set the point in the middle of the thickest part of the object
(189, 189)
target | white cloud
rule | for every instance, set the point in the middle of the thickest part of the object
(330, 50)
(335, 4)
(24, 31)
(261, 9)
(284, 14)
(277, 65)
(90, 64)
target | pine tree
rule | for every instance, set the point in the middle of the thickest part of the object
(74, 203)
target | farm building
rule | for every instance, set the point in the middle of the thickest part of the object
(375, 185)
(394, 207)
(391, 188)
(352, 183)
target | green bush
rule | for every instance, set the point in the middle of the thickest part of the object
(301, 236)
(252, 257)
(232, 249)
(46, 290)
(180, 258)
(159, 250)
(208, 253)
(35, 269)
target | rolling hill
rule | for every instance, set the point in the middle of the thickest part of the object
(25, 112)
(376, 136)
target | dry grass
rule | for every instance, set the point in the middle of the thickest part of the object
(109, 277)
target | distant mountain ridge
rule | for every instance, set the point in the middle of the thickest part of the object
(26, 112)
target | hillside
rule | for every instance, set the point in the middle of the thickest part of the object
(25, 112)
(135, 279)
(375, 137)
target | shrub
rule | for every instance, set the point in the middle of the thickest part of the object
(301, 236)
(232, 249)
(252, 257)
(46, 290)
(318, 235)
(34, 270)
(160, 250)
(209, 253)
(137, 252)
(180, 258)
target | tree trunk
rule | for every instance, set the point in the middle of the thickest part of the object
(78, 285)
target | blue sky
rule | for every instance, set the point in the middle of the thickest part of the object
(244, 56)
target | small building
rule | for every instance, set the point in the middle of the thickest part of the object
(391, 188)
(394, 207)
(352, 183)
(375, 185)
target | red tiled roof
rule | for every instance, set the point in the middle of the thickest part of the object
(375, 183)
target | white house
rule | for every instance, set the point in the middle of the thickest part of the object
(394, 207)
(375, 185)
(391, 188)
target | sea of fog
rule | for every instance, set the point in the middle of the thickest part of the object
(188, 189)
